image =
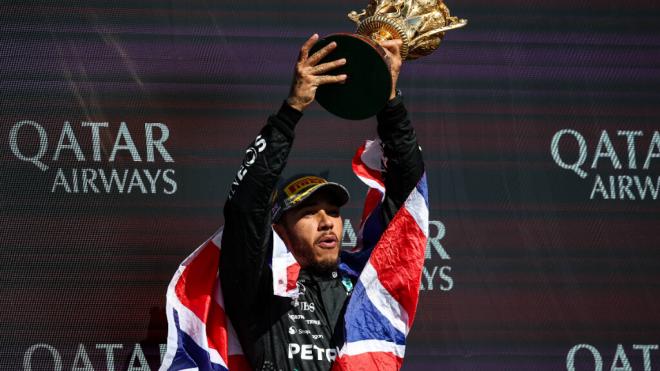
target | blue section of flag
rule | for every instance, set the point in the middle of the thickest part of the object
(423, 189)
(189, 354)
(365, 322)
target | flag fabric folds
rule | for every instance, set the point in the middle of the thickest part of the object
(383, 304)
(387, 265)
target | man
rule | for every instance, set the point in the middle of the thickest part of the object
(302, 333)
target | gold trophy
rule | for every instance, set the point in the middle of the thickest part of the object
(420, 24)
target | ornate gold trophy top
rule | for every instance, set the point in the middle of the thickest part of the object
(420, 24)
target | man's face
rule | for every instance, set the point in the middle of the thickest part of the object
(313, 232)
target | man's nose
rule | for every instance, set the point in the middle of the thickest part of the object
(325, 221)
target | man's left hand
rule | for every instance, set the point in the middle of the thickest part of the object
(393, 51)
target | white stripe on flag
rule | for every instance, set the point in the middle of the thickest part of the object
(382, 300)
(372, 158)
(234, 346)
(373, 154)
(416, 206)
(217, 237)
(282, 259)
(366, 346)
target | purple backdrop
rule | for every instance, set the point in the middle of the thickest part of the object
(539, 124)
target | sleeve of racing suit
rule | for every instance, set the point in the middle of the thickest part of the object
(247, 236)
(404, 165)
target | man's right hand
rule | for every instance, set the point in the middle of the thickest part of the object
(309, 75)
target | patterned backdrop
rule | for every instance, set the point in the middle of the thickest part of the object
(122, 124)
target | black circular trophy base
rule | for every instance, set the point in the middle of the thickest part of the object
(369, 83)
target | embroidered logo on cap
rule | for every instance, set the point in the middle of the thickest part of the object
(299, 185)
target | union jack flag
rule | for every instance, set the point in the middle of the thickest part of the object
(380, 312)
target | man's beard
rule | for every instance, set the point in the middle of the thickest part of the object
(323, 267)
(309, 263)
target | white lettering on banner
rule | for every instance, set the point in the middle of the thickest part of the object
(72, 145)
(129, 145)
(87, 180)
(582, 157)
(42, 144)
(96, 137)
(624, 187)
(630, 138)
(310, 352)
(570, 358)
(620, 360)
(95, 180)
(646, 353)
(157, 144)
(109, 354)
(29, 353)
(82, 361)
(609, 152)
(349, 238)
(81, 356)
(446, 282)
(138, 357)
(434, 241)
(45, 356)
(606, 158)
(435, 276)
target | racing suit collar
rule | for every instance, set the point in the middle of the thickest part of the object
(307, 274)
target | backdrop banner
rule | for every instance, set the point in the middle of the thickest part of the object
(123, 124)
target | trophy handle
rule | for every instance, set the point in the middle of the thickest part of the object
(455, 23)
(355, 16)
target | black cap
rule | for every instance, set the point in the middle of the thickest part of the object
(298, 188)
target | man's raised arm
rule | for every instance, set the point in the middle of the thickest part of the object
(247, 236)
(404, 166)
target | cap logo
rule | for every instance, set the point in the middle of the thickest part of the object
(301, 184)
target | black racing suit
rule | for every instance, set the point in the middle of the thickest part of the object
(279, 333)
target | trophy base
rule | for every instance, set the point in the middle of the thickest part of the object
(369, 83)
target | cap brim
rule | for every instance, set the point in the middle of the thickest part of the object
(338, 195)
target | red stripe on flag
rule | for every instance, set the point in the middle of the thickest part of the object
(398, 259)
(362, 170)
(372, 200)
(195, 288)
(292, 273)
(216, 330)
(370, 361)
